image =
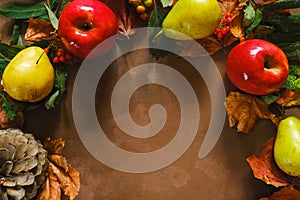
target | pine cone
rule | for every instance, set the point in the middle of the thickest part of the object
(23, 161)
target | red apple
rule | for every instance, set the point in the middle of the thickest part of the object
(257, 66)
(84, 24)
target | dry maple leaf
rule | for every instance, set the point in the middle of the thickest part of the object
(288, 98)
(60, 174)
(245, 109)
(128, 18)
(285, 193)
(265, 168)
(212, 44)
(38, 30)
(50, 189)
(236, 27)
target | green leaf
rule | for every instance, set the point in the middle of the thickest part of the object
(157, 17)
(23, 11)
(166, 3)
(286, 23)
(3, 64)
(292, 82)
(60, 87)
(9, 51)
(54, 3)
(257, 20)
(249, 15)
(16, 36)
(156, 20)
(50, 103)
(290, 49)
(10, 110)
(280, 5)
(294, 69)
(270, 98)
(52, 17)
(61, 76)
(62, 5)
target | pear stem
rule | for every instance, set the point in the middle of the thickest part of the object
(40, 57)
(157, 35)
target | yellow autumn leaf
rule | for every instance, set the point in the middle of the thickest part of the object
(244, 110)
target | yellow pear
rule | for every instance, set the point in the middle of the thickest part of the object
(29, 76)
(287, 146)
(192, 19)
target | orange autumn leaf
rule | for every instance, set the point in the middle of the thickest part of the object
(236, 27)
(245, 109)
(50, 189)
(38, 30)
(288, 98)
(54, 146)
(232, 6)
(211, 44)
(285, 193)
(265, 168)
(61, 176)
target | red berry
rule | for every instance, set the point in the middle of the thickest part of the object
(225, 30)
(227, 20)
(219, 35)
(55, 59)
(58, 53)
(62, 59)
(228, 14)
(46, 50)
(68, 56)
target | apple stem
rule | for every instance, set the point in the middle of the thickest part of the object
(40, 57)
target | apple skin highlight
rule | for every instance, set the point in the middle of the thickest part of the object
(84, 24)
(257, 67)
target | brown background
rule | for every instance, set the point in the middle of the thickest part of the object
(224, 174)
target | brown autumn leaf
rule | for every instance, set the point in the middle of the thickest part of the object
(245, 109)
(236, 27)
(212, 44)
(232, 6)
(50, 189)
(5, 122)
(289, 98)
(265, 168)
(285, 193)
(209, 45)
(38, 30)
(61, 176)
(128, 18)
(54, 146)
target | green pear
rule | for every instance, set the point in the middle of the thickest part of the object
(287, 146)
(29, 76)
(192, 19)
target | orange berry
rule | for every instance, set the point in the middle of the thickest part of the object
(144, 16)
(140, 9)
(148, 3)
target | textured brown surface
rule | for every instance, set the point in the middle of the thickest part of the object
(224, 174)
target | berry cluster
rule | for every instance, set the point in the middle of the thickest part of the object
(59, 56)
(143, 7)
(224, 27)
